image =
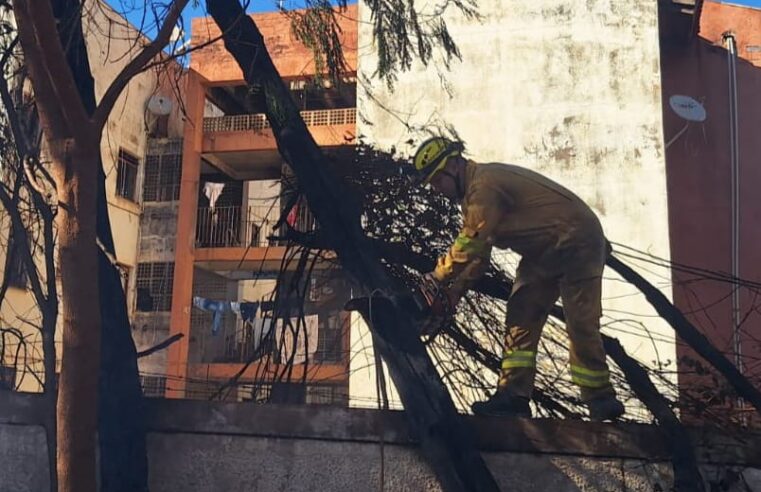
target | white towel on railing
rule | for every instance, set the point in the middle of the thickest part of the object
(212, 192)
(304, 337)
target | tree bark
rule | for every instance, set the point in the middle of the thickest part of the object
(121, 421)
(75, 172)
(72, 125)
(446, 441)
(687, 476)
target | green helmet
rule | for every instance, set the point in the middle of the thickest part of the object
(432, 156)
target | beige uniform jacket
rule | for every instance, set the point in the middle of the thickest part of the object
(507, 206)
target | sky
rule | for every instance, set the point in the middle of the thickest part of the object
(134, 10)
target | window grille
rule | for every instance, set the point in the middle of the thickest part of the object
(162, 178)
(154, 286)
(126, 175)
(153, 386)
(324, 394)
(329, 339)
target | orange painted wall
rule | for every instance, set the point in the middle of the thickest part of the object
(291, 57)
(718, 18)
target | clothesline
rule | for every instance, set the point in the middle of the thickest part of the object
(246, 311)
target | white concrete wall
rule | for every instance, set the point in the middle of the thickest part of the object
(569, 88)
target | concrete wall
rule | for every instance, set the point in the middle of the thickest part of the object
(204, 446)
(569, 88)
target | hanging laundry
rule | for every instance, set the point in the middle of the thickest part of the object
(248, 310)
(212, 192)
(245, 311)
(218, 308)
(293, 215)
(298, 341)
(260, 328)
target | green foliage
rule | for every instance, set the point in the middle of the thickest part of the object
(401, 33)
(317, 27)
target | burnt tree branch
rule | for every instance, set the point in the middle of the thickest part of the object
(687, 331)
(446, 442)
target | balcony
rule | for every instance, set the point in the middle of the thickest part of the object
(244, 147)
(239, 341)
(236, 238)
(236, 227)
(258, 122)
(223, 337)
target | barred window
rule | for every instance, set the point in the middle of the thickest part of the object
(162, 178)
(153, 386)
(329, 339)
(126, 175)
(154, 286)
(324, 394)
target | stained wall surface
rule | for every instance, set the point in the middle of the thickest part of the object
(569, 88)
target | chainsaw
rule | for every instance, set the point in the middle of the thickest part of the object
(430, 304)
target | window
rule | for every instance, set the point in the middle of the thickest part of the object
(154, 286)
(162, 178)
(126, 175)
(153, 386)
(319, 394)
(14, 265)
(329, 339)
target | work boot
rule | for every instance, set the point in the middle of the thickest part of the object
(503, 404)
(605, 408)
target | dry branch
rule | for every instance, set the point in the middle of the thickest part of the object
(446, 443)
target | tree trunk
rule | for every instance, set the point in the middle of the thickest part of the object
(49, 321)
(75, 172)
(446, 441)
(121, 424)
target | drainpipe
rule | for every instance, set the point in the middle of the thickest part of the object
(734, 156)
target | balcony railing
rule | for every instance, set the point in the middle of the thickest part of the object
(245, 122)
(230, 227)
(239, 341)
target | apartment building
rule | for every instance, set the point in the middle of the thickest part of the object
(111, 41)
(210, 251)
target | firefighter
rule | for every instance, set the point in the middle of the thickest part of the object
(562, 250)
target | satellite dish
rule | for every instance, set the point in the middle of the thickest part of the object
(160, 105)
(687, 108)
